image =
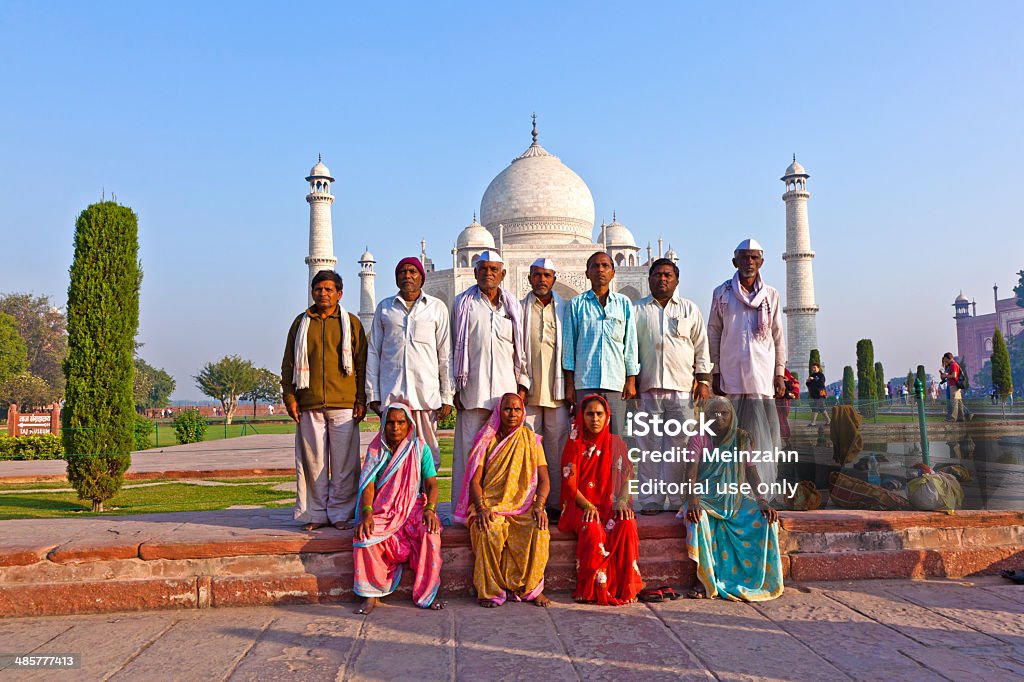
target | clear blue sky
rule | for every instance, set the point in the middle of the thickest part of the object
(205, 118)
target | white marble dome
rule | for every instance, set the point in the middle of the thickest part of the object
(795, 169)
(537, 197)
(367, 256)
(320, 170)
(618, 235)
(475, 236)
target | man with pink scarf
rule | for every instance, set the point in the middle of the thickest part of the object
(397, 521)
(748, 350)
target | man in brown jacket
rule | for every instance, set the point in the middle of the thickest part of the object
(322, 375)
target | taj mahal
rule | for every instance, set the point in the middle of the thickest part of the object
(537, 206)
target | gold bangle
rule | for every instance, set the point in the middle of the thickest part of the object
(430, 506)
(367, 507)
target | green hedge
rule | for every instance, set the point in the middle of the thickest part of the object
(143, 432)
(44, 446)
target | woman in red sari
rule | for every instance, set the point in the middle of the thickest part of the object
(597, 507)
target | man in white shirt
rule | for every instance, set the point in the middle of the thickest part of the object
(547, 412)
(748, 349)
(409, 354)
(673, 346)
(488, 359)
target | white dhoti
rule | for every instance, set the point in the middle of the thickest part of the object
(758, 416)
(552, 424)
(426, 428)
(327, 453)
(668, 404)
(467, 424)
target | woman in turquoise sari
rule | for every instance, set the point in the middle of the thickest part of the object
(733, 537)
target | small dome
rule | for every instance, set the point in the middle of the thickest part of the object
(320, 170)
(475, 236)
(618, 235)
(961, 298)
(795, 168)
(367, 256)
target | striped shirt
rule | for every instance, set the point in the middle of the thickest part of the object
(599, 342)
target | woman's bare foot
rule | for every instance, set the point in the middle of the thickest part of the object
(343, 525)
(438, 605)
(488, 604)
(368, 605)
(542, 601)
(314, 526)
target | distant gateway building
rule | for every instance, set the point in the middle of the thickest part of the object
(974, 332)
(537, 206)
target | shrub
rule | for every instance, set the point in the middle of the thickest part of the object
(189, 426)
(448, 422)
(43, 446)
(103, 318)
(866, 377)
(143, 432)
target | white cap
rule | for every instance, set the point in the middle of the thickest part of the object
(490, 257)
(544, 264)
(748, 245)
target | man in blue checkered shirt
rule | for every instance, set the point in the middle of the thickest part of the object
(599, 350)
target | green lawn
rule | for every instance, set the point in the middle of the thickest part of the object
(163, 434)
(171, 495)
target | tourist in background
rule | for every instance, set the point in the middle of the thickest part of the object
(547, 413)
(951, 373)
(408, 354)
(323, 378)
(816, 393)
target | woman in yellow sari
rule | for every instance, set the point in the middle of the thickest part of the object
(503, 494)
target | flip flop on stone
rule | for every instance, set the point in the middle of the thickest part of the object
(669, 592)
(1016, 576)
(651, 596)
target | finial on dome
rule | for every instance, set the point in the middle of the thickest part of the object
(534, 133)
(474, 217)
(794, 156)
(614, 217)
(319, 157)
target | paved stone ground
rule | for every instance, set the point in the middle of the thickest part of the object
(872, 630)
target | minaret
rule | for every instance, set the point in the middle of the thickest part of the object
(321, 235)
(367, 292)
(800, 308)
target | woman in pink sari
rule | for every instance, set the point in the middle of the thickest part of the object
(397, 521)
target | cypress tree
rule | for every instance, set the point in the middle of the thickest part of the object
(879, 382)
(849, 387)
(814, 360)
(103, 318)
(910, 385)
(1002, 377)
(866, 390)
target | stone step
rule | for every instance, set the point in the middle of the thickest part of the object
(248, 557)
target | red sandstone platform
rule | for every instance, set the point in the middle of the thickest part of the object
(260, 556)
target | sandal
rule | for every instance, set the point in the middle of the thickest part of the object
(1016, 576)
(669, 592)
(651, 596)
(696, 593)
